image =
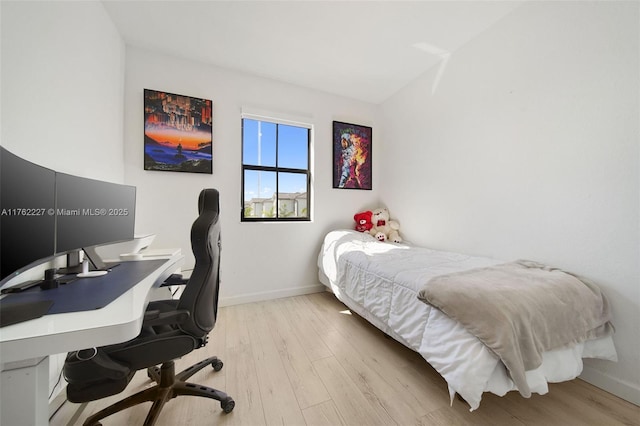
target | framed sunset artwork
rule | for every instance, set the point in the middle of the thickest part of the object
(178, 133)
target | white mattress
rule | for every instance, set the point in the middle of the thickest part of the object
(380, 282)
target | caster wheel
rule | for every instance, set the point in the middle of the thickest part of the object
(217, 365)
(228, 405)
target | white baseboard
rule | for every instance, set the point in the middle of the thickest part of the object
(268, 295)
(625, 390)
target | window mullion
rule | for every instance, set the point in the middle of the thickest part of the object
(277, 176)
(260, 168)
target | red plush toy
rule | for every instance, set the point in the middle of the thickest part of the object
(363, 221)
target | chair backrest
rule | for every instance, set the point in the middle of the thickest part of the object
(200, 295)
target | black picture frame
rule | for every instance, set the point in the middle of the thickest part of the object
(178, 133)
(352, 156)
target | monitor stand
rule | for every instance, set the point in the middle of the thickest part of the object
(91, 274)
(74, 266)
(86, 273)
(93, 256)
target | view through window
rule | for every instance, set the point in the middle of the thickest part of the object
(276, 176)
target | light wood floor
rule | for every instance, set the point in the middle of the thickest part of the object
(307, 361)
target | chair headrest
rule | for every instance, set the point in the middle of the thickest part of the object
(209, 200)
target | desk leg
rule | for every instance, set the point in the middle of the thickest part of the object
(24, 398)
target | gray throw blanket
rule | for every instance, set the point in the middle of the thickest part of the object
(520, 310)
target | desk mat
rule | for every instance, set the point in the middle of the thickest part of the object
(85, 294)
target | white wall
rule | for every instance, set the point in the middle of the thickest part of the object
(259, 260)
(62, 87)
(529, 149)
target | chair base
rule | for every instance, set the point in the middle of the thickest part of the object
(168, 386)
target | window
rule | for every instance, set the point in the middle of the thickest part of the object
(276, 177)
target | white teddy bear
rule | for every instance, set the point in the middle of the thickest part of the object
(383, 228)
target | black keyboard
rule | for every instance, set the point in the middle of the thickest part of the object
(13, 313)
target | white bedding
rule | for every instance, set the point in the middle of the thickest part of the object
(380, 282)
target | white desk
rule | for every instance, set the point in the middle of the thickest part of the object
(25, 347)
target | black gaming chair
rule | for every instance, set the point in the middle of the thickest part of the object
(171, 329)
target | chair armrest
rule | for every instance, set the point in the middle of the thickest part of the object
(174, 279)
(155, 317)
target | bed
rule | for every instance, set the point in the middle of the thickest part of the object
(381, 282)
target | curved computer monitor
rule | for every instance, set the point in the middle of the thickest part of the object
(27, 213)
(91, 212)
(46, 213)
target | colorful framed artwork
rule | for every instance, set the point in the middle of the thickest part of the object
(178, 133)
(351, 156)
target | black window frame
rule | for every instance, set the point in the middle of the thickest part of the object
(276, 169)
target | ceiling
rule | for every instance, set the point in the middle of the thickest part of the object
(361, 50)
